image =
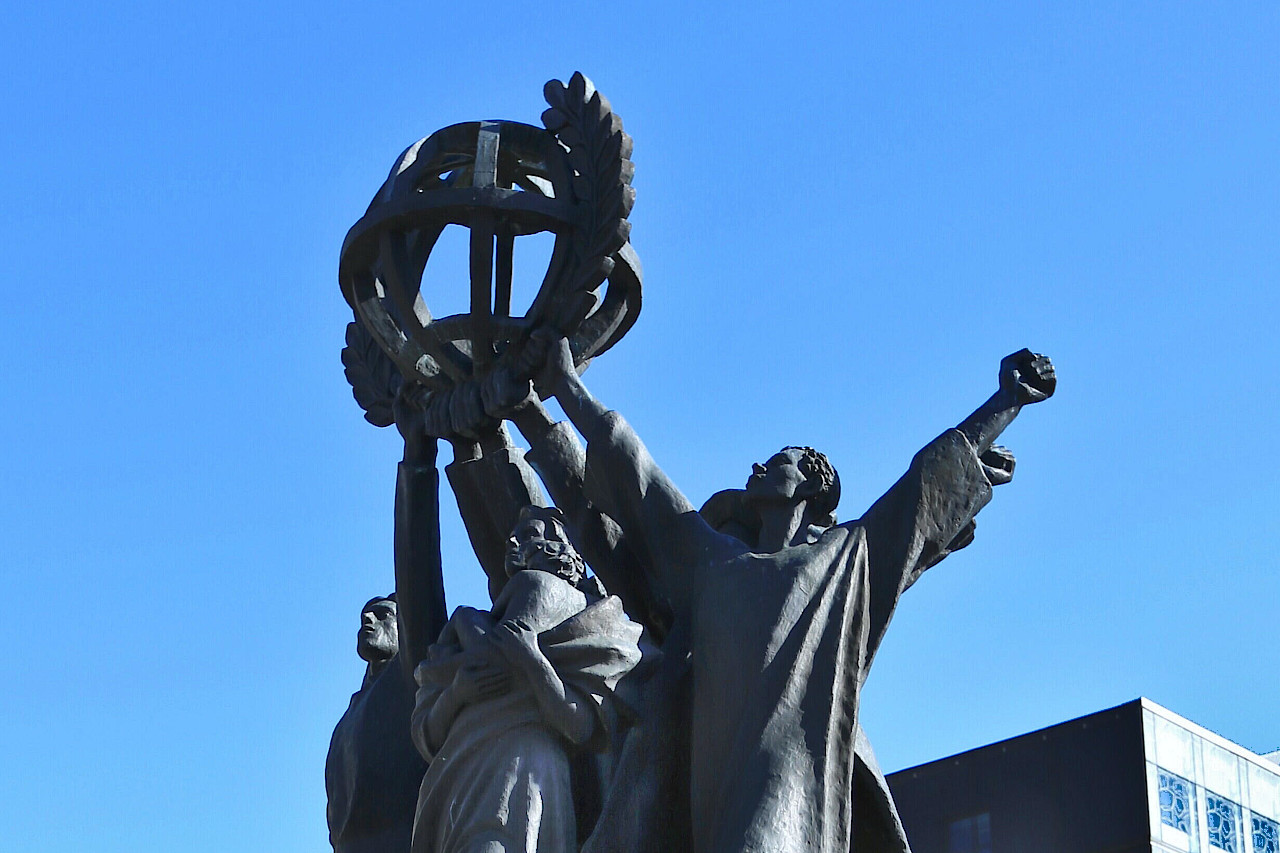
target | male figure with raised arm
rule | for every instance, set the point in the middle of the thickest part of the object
(372, 771)
(784, 617)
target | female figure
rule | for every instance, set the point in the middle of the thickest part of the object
(505, 695)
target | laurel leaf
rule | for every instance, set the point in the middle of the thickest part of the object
(611, 199)
(609, 152)
(570, 136)
(598, 152)
(619, 201)
(610, 238)
(553, 119)
(373, 376)
(555, 93)
(615, 237)
(594, 275)
(596, 105)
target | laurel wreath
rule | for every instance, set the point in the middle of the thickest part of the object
(599, 152)
(373, 376)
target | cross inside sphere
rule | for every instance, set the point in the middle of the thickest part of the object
(500, 180)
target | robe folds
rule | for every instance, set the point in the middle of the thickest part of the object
(502, 775)
(372, 772)
(781, 643)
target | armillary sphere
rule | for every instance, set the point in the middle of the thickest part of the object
(502, 180)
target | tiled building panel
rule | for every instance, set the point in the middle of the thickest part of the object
(1133, 778)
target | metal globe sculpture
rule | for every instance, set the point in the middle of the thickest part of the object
(501, 180)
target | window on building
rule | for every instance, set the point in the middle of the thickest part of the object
(970, 834)
(1177, 802)
(1223, 819)
(1266, 835)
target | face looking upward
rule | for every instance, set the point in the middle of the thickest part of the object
(378, 638)
(779, 479)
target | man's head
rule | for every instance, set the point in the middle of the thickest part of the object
(796, 474)
(379, 637)
(539, 542)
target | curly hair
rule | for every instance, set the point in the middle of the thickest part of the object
(559, 548)
(815, 466)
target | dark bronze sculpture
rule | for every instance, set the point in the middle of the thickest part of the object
(742, 733)
(785, 615)
(507, 695)
(370, 777)
(502, 180)
(483, 712)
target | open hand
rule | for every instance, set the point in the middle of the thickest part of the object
(480, 680)
(517, 641)
(1027, 377)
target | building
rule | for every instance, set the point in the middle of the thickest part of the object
(1136, 777)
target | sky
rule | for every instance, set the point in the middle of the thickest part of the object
(847, 214)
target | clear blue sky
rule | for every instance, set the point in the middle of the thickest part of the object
(847, 214)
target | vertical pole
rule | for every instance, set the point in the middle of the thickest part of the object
(483, 226)
(502, 278)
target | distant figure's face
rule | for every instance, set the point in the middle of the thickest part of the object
(542, 546)
(778, 479)
(378, 637)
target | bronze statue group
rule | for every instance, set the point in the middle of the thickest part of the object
(651, 676)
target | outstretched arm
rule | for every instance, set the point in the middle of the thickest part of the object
(929, 512)
(491, 489)
(1025, 377)
(551, 360)
(490, 479)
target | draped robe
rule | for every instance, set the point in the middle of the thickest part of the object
(781, 643)
(372, 772)
(502, 775)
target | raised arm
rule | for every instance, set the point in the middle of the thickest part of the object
(1025, 377)
(560, 461)
(419, 579)
(929, 512)
(560, 378)
(491, 487)
(621, 480)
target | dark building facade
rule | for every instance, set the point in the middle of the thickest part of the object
(1136, 778)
